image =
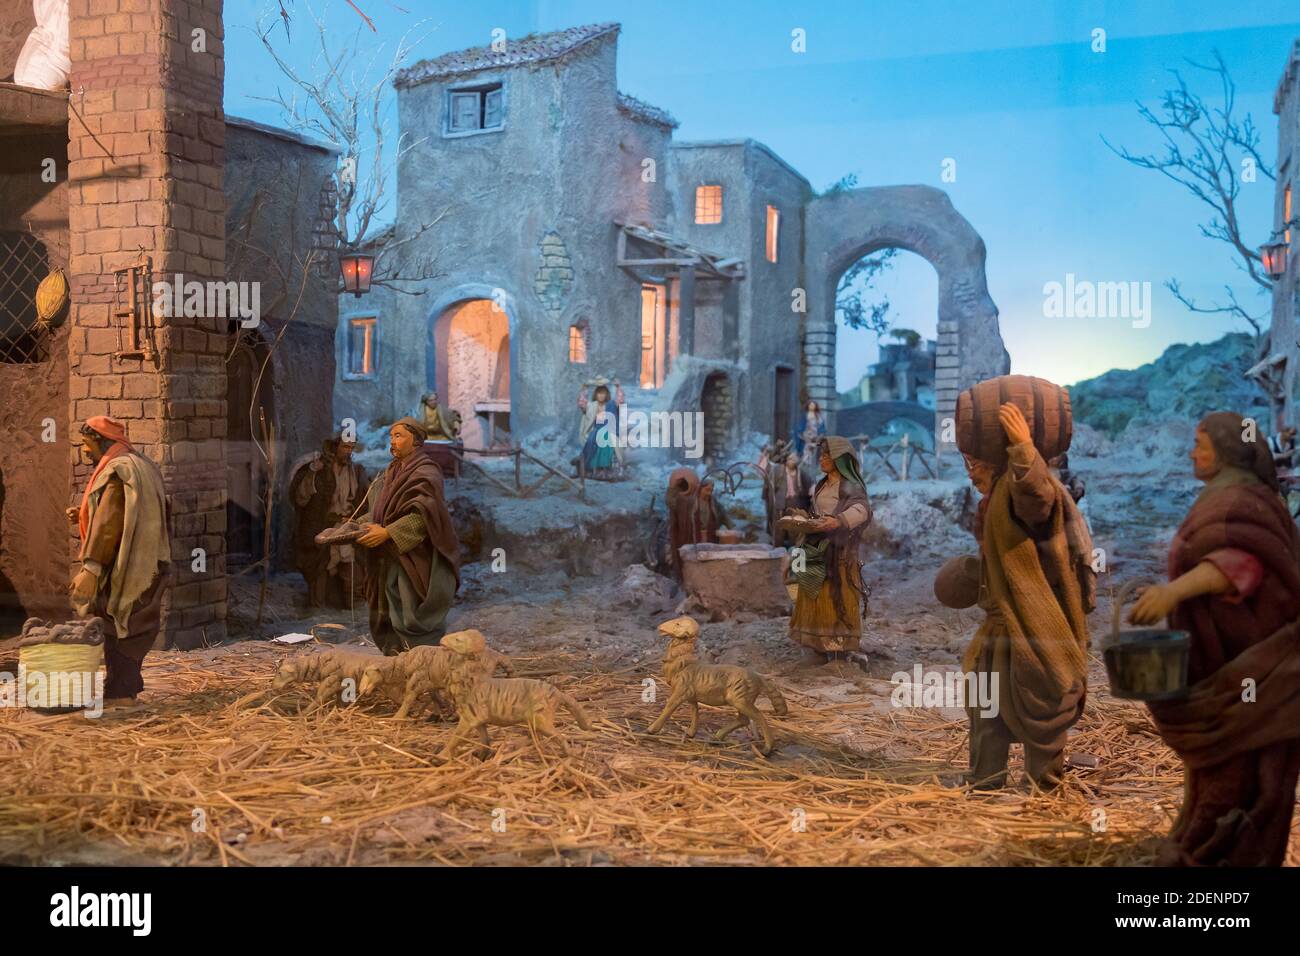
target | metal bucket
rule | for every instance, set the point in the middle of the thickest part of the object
(1148, 663)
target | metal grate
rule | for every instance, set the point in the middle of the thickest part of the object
(24, 262)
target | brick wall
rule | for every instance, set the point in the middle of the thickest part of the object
(146, 151)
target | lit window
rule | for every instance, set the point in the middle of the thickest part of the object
(1286, 214)
(474, 109)
(363, 355)
(773, 229)
(578, 344)
(653, 335)
(708, 205)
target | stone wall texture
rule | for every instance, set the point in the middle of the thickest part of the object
(146, 149)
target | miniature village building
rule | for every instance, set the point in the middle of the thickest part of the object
(139, 178)
(568, 236)
(1281, 362)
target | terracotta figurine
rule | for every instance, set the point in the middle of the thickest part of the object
(413, 559)
(125, 553)
(1234, 585)
(718, 685)
(502, 702)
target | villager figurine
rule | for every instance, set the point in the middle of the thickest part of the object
(1234, 585)
(710, 515)
(682, 501)
(599, 430)
(808, 438)
(718, 685)
(326, 488)
(1036, 591)
(442, 424)
(787, 489)
(830, 597)
(413, 558)
(502, 702)
(125, 553)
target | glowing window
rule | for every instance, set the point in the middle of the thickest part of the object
(1286, 213)
(708, 205)
(653, 335)
(773, 229)
(362, 352)
(578, 344)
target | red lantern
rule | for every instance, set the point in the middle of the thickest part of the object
(1273, 256)
(357, 269)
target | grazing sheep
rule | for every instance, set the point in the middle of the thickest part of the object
(422, 673)
(482, 700)
(328, 669)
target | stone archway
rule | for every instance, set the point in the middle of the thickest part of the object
(843, 227)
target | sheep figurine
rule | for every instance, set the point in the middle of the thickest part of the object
(328, 669)
(719, 685)
(481, 700)
(422, 673)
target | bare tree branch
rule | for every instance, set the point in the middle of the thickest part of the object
(1205, 151)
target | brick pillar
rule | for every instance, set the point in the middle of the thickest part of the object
(146, 156)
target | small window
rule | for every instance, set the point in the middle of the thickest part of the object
(476, 109)
(363, 352)
(578, 344)
(773, 230)
(1286, 214)
(708, 205)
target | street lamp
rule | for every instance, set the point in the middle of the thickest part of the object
(1273, 256)
(356, 269)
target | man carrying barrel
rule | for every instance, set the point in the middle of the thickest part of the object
(1035, 586)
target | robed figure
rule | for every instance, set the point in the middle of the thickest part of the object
(1234, 586)
(125, 553)
(326, 488)
(413, 554)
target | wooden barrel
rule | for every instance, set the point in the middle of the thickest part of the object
(1046, 408)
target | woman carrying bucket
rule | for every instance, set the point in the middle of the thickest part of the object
(1234, 586)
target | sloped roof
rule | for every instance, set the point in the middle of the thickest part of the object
(639, 109)
(534, 48)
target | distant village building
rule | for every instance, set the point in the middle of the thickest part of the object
(904, 373)
(572, 237)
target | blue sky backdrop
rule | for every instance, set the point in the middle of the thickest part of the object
(887, 90)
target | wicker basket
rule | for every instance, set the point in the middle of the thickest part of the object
(54, 663)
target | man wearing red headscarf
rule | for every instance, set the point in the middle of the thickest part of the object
(125, 553)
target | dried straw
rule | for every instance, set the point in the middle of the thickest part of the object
(217, 770)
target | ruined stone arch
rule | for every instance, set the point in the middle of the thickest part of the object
(843, 227)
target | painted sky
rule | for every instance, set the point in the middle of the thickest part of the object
(1012, 91)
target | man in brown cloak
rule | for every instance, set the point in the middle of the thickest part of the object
(1034, 638)
(125, 553)
(1234, 584)
(326, 488)
(413, 558)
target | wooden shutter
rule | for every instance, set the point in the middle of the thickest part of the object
(464, 112)
(492, 108)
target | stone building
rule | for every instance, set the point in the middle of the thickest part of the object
(904, 373)
(137, 178)
(1283, 359)
(571, 237)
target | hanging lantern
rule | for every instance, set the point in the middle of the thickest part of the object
(1273, 256)
(357, 269)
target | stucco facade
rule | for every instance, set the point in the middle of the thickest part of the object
(1285, 334)
(569, 206)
